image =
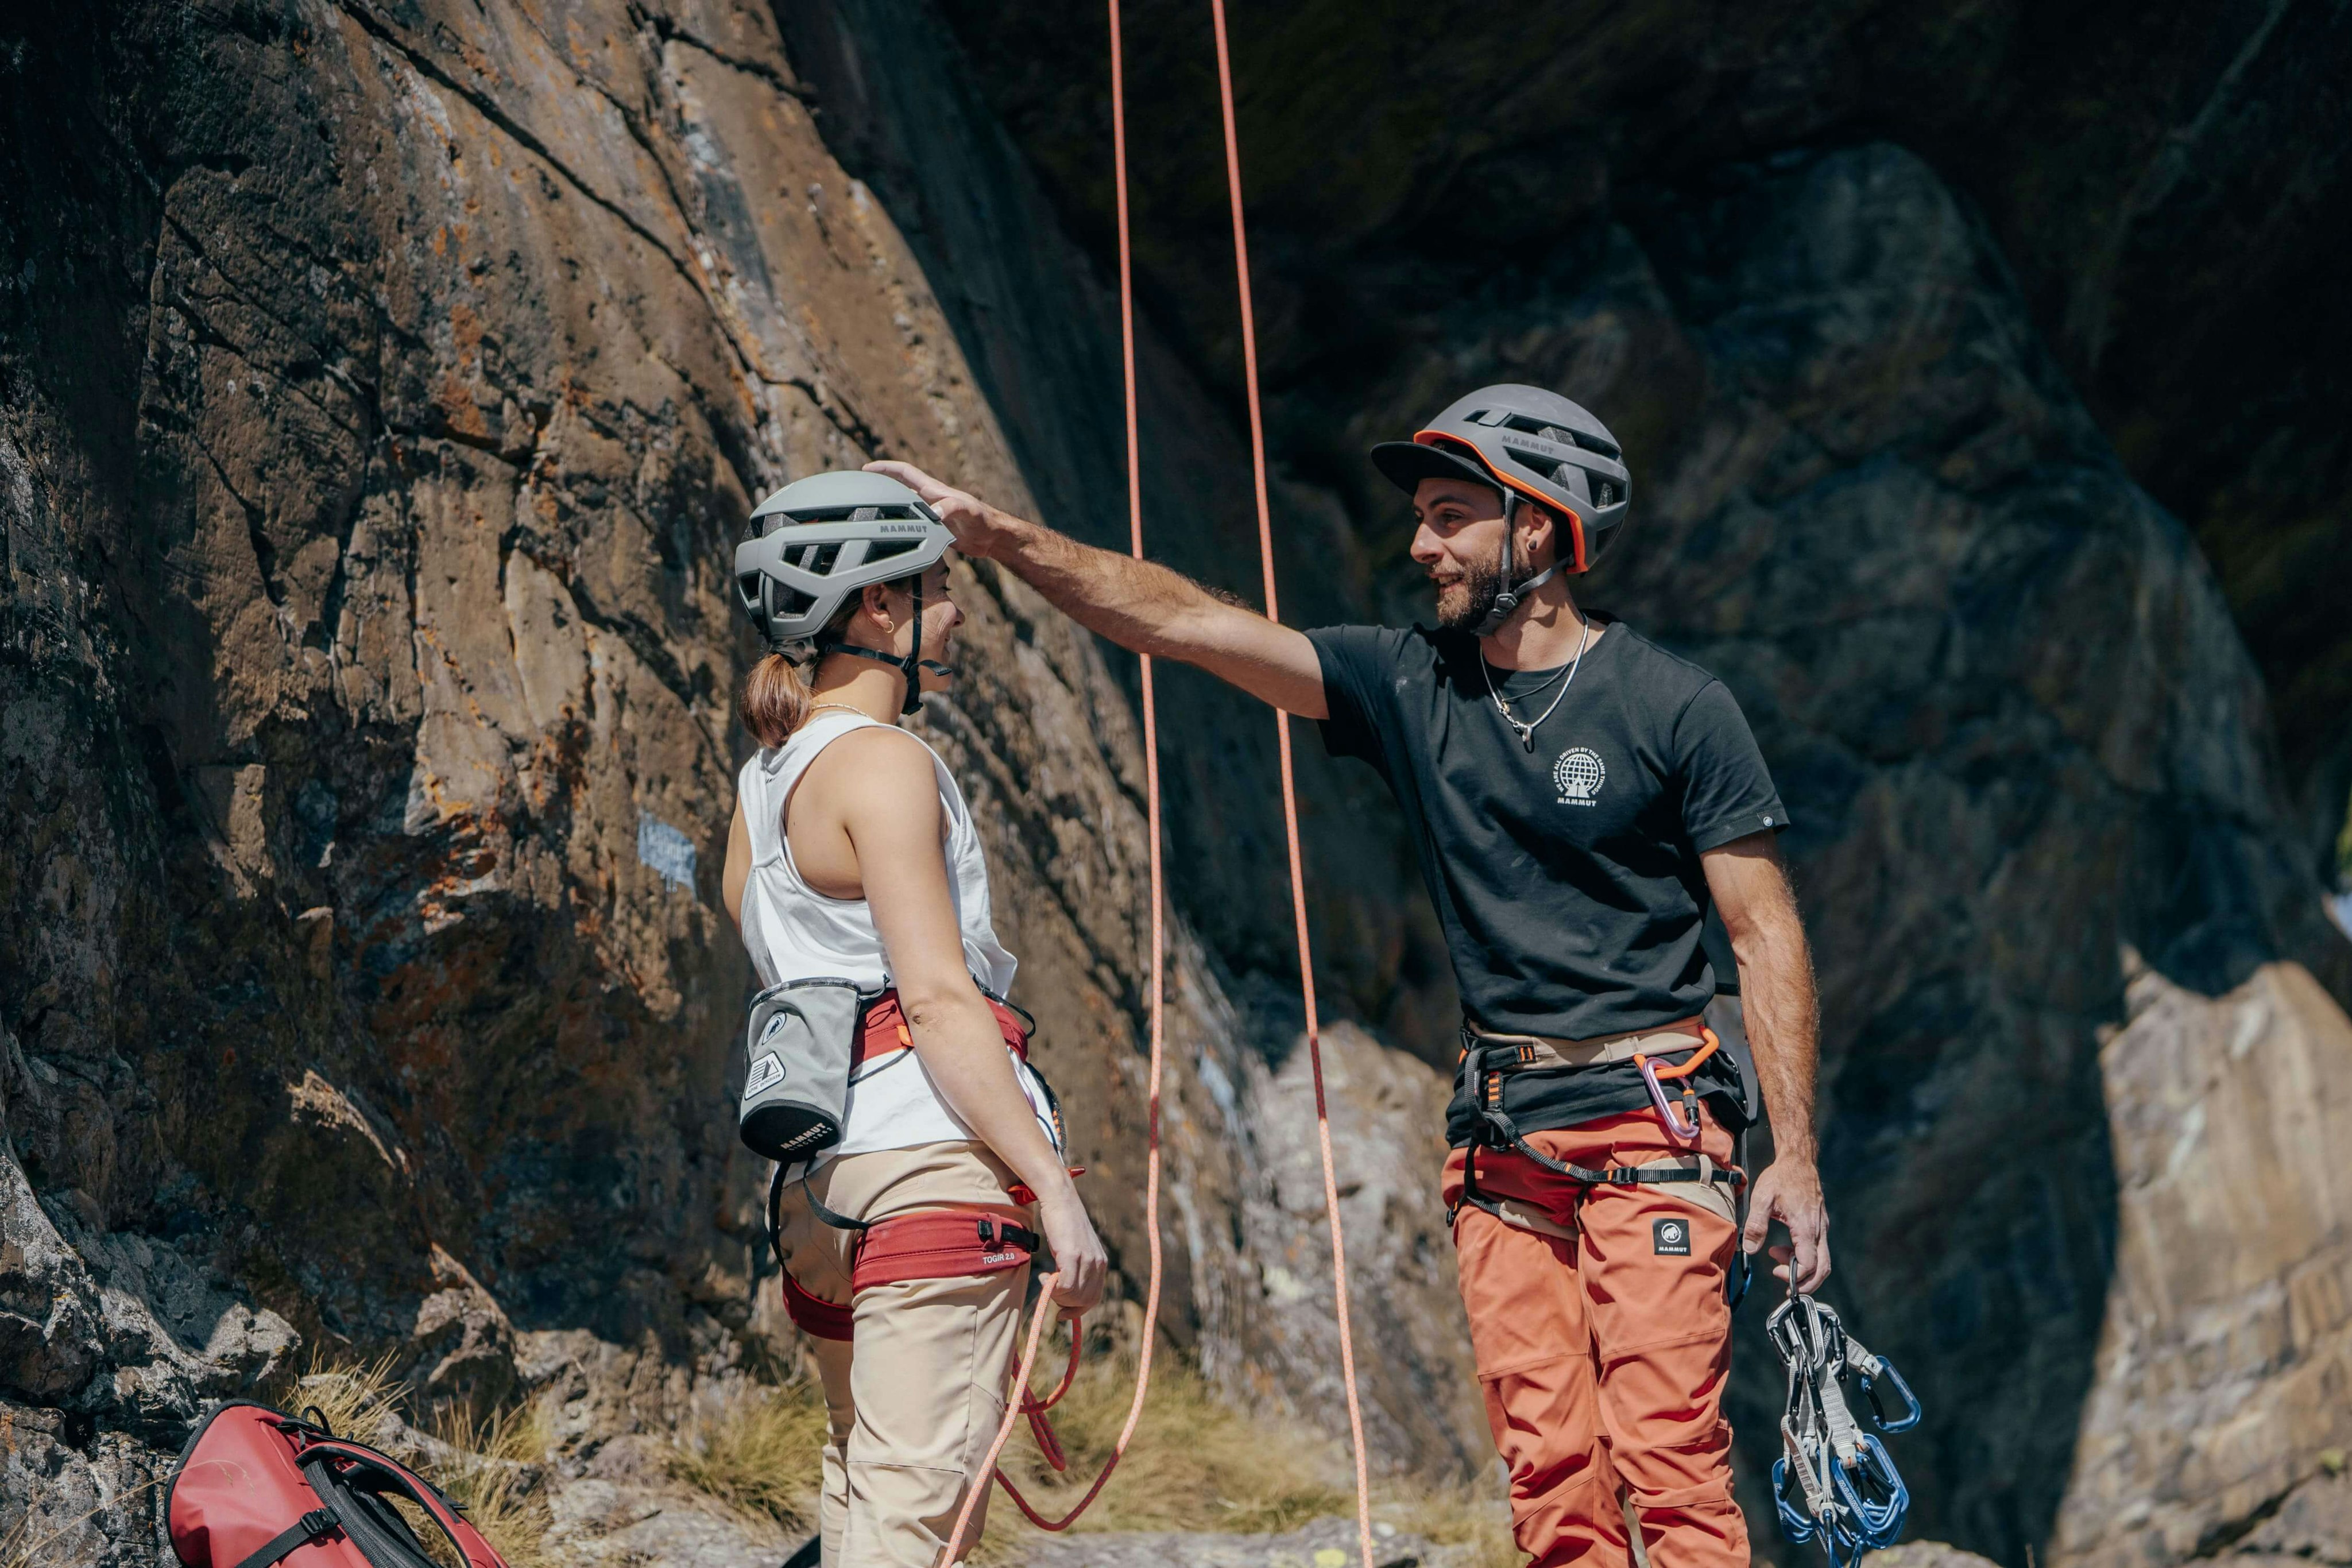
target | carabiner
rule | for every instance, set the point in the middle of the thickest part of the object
(1879, 1519)
(1844, 1550)
(1869, 1380)
(1795, 1523)
(1680, 1131)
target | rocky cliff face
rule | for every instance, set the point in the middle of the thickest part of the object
(383, 383)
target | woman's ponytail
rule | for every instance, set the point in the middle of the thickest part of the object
(775, 701)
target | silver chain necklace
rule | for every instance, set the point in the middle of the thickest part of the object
(1526, 732)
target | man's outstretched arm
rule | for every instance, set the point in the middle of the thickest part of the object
(1135, 603)
(1783, 1019)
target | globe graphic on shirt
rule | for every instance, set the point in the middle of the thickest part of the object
(1579, 774)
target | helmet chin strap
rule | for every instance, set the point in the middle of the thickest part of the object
(909, 668)
(1508, 599)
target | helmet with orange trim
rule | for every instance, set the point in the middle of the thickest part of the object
(1530, 444)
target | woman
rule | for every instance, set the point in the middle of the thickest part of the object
(852, 856)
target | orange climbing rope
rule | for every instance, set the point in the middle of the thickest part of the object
(1290, 793)
(1028, 1405)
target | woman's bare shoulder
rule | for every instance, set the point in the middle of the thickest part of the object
(874, 764)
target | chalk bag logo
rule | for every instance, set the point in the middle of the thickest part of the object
(1670, 1237)
(766, 1073)
(1578, 775)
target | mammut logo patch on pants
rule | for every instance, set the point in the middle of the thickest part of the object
(1670, 1237)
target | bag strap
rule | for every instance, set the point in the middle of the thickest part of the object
(838, 1221)
(319, 1521)
(367, 1460)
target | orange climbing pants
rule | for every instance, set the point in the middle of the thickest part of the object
(1601, 1338)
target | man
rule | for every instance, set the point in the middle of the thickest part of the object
(1578, 799)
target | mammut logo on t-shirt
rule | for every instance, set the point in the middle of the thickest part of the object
(1578, 775)
(1670, 1237)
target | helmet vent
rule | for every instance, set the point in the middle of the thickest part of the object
(1604, 493)
(883, 550)
(1534, 463)
(1566, 438)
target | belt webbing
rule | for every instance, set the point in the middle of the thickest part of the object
(1541, 1053)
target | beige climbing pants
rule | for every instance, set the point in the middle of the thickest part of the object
(915, 1397)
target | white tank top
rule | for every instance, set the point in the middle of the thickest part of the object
(796, 933)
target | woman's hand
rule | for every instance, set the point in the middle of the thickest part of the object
(1081, 1265)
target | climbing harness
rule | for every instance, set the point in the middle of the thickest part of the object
(1486, 1063)
(1526, 732)
(1029, 1406)
(1489, 1060)
(1834, 1481)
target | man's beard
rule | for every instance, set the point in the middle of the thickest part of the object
(1465, 605)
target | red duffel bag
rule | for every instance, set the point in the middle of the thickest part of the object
(255, 1487)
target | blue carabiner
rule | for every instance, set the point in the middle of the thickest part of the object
(1844, 1550)
(1912, 1412)
(1795, 1523)
(1878, 1518)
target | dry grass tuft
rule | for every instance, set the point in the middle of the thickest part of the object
(764, 1454)
(490, 1474)
(1196, 1463)
(356, 1399)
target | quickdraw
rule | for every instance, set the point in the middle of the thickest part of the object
(1835, 1482)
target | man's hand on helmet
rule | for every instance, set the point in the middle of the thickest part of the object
(977, 527)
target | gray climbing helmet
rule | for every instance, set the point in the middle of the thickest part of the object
(813, 544)
(1531, 444)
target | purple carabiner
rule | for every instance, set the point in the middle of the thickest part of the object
(1680, 1131)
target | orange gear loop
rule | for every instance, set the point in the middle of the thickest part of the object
(1684, 1129)
(1709, 1047)
(1028, 1405)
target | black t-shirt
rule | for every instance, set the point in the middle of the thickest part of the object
(1566, 880)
